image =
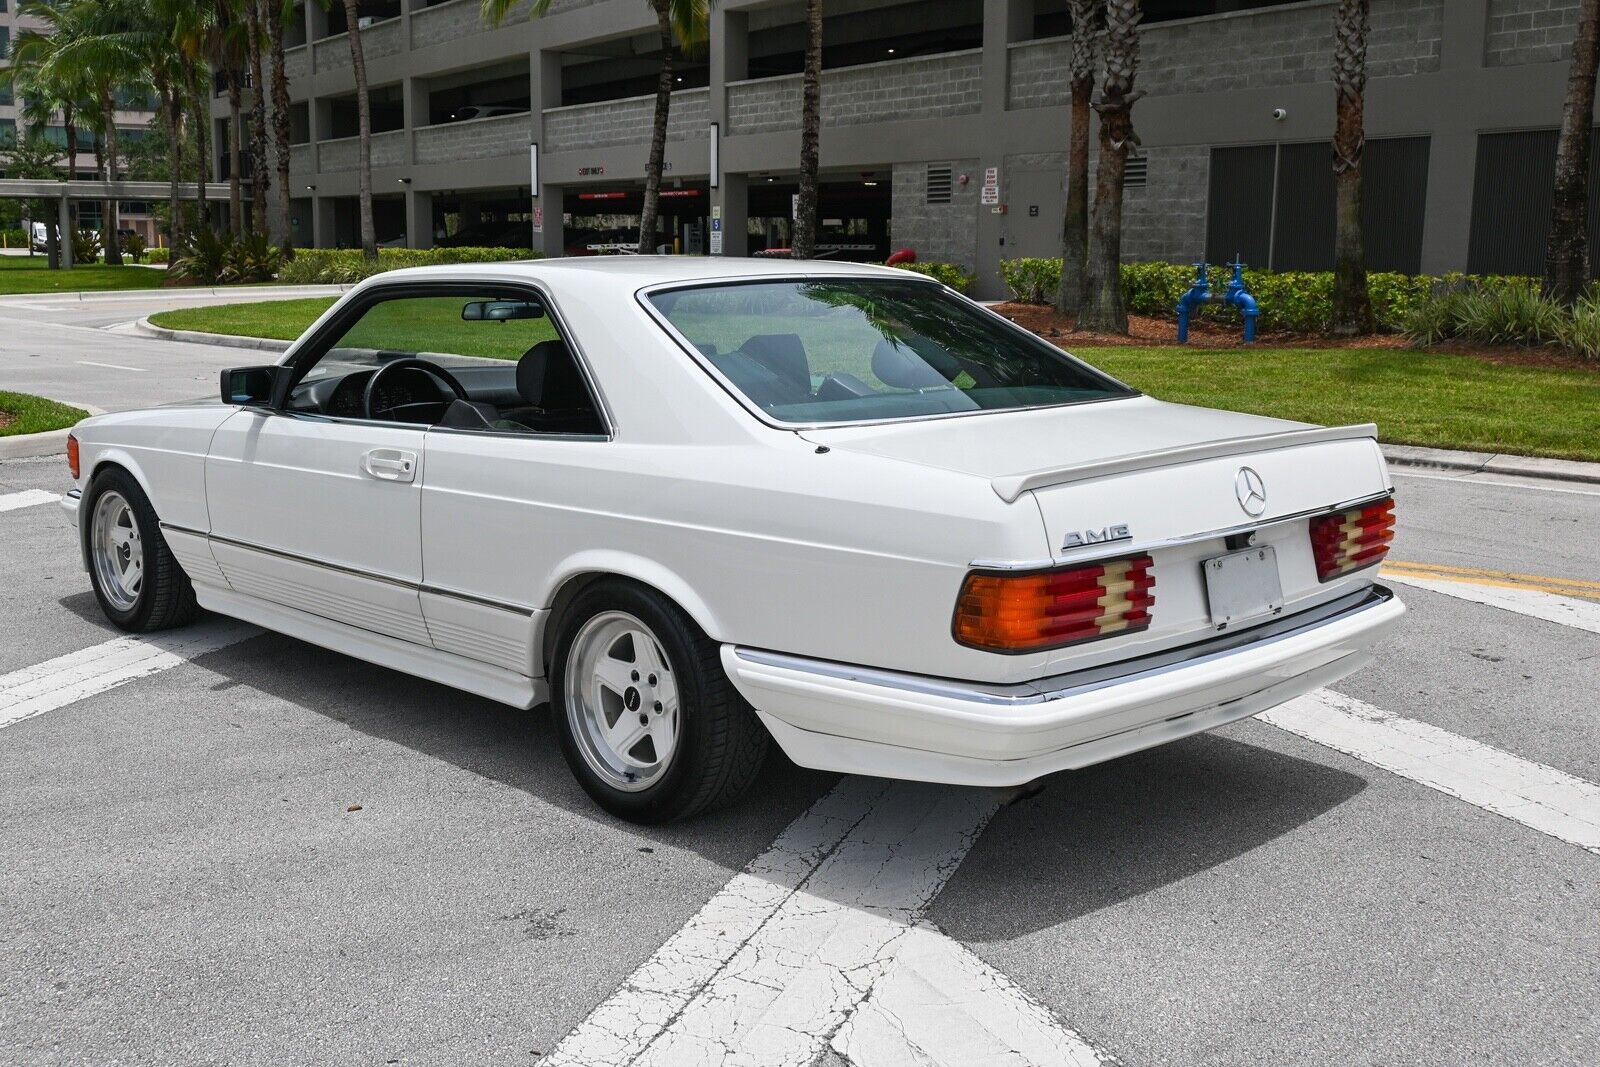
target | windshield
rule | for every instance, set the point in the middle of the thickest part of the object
(856, 349)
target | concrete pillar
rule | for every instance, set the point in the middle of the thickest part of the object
(323, 222)
(551, 241)
(419, 219)
(414, 108)
(732, 198)
(1004, 23)
(66, 233)
(544, 92)
(730, 61)
(1453, 147)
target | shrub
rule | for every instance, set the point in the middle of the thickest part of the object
(204, 258)
(1032, 281)
(947, 273)
(1504, 311)
(323, 266)
(1579, 331)
(14, 237)
(85, 246)
(158, 255)
(133, 245)
(251, 258)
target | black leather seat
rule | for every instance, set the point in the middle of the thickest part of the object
(555, 397)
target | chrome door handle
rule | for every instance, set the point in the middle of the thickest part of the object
(391, 464)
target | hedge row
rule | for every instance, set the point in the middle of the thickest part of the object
(326, 266)
(955, 277)
(1299, 301)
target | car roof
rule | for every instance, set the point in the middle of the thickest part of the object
(636, 272)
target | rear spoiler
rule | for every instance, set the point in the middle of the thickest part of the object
(1011, 486)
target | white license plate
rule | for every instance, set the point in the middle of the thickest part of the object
(1243, 587)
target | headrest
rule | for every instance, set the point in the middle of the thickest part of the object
(783, 354)
(548, 378)
(899, 366)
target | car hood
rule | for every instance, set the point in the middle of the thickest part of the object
(1005, 445)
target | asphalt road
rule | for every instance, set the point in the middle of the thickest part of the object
(274, 854)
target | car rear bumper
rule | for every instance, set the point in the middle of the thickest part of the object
(858, 720)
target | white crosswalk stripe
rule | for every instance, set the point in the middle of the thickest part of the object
(27, 498)
(1544, 798)
(55, 683)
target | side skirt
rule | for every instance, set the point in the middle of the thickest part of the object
(482, 679)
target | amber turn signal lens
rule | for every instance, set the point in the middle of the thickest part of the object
(1048, 609)
(1352, 539)
(72, 456)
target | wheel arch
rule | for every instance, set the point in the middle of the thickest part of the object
(584, 570)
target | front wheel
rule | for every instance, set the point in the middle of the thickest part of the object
(138, 583)
(647, 718)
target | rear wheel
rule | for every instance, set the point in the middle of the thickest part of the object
(648, 721)
(138, 583)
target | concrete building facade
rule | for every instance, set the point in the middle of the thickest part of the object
(944, 125)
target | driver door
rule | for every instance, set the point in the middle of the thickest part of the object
(314, 505)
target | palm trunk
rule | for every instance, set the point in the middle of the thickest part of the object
(174, 112)
(280, 122)
(1352, 306)
(258, 122)
(235, 155)
(658, 134)
(1075, 217)
(69, 243)
(202, 129)
(1103, 310)
(358, 62)
(804, 244)
(1566, 255)
(108, 214)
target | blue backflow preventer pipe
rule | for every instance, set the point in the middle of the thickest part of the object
(1200, 293)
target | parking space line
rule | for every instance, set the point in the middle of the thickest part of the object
(1535, 603)
(770, 970)
(1469, 478)
(1543, 798)
(110, 366)
(55, 683)
(27, 498)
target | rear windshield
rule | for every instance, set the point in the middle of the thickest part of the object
(854, 350)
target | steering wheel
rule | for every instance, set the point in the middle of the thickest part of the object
(412, 363)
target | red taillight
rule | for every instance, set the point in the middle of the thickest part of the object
(72, 456)
(1048, 609)
(1350, 540)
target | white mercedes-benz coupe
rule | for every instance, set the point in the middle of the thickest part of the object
(697, 504)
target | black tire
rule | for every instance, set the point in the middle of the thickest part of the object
(721, 745)
(165, 598)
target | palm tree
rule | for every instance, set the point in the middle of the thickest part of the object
(1566, 253)
(276, 13)
(1352, 307)
(48, 86)
(358, 63)
(685, 21)
(1103, 309)
(804, 243)
(258, 116)
(1075, 219)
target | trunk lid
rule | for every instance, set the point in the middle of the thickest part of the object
(1140, 475)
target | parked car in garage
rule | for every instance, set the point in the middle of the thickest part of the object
(702, 505)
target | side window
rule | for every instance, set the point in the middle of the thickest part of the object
(489, 361)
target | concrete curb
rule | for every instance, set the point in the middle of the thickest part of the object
(89, 296)
(260, 344)
(1561, 470)
(49, 443)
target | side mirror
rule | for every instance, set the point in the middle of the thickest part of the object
(500, 310)
(250, 386)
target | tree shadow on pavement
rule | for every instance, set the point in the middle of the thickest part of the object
(1097, 837)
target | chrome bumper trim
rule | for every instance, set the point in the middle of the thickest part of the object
(1076, 683)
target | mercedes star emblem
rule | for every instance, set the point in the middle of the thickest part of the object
(1251, 491)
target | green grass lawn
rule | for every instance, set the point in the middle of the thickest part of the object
(29, 274)
(21, 413)
(1416, 398)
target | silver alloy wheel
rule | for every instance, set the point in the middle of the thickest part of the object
(116, 550)
(622, 701)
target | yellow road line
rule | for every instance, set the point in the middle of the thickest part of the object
(1569, 587)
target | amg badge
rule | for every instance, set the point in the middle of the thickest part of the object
(1108, 535)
